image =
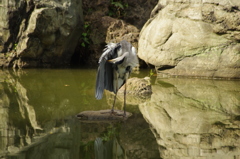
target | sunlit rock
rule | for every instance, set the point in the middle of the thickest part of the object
(137, 88)
(120, 30)
(193, 38)
(138, 91)
(192, 117)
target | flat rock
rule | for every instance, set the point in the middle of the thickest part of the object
(103, 115)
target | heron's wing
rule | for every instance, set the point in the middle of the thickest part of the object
(108, 52)
(100, 81)
(105, 71)
(109, 76)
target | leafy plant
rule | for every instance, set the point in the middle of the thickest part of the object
(85, 35)
(15, 47)
(12, 51)
(110, 133)
(151, 73)
(88, 146)
(117, 8)
(87, 149)
(12, 86)
(117, 4)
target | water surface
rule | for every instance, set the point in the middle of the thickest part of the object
(183, 118)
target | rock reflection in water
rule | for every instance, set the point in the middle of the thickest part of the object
(194, 118)
(36, 123)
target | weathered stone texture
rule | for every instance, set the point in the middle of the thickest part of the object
(119, 31)
(39, 33)
(193, 38)
(193, 118)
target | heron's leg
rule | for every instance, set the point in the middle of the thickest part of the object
(125, 93)
(115, 96)
(112, 110)
(124, 102)
(115, 83)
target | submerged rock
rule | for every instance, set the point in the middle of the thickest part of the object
(193, 38)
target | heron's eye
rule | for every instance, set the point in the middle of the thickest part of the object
(128, 68)
(115, 67)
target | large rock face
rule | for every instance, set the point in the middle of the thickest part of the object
(193, 38)
(39, 33)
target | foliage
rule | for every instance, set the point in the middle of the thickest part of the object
(117, 9)
(117, 4)
(110, 133)
(85, 35)
(87, 150)
(11, 85)
(12, 51)
(15, 47)
(151, 73)
(88, 146)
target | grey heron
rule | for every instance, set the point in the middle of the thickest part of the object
(115, 66)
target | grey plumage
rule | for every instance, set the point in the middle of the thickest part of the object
(115, 66)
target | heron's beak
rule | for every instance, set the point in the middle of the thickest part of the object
(119, 59)
(116, 60)
(112, 61)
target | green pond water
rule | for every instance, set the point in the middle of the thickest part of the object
(183, 118)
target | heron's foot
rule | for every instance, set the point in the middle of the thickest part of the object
(119, 113)
(108, 112)
(116, 113)
(123, 115)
